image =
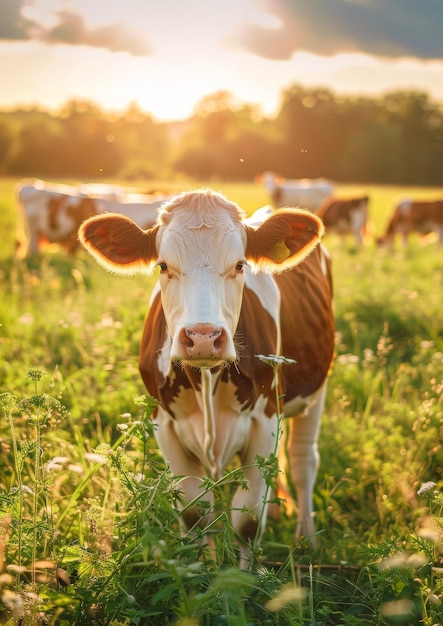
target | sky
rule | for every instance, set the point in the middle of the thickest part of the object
(166, 55)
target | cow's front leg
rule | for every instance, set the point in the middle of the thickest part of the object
(183, 464)
(249, 506)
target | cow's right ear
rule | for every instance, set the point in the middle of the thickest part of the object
(117, 243)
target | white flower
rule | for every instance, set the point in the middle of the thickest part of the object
(274, 360)
(425, 487)
(95, 458)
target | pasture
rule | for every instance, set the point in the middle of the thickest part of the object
(88, 509)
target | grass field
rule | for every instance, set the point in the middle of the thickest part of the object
(88, 515)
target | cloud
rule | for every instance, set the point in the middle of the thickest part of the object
(12, 24)
(383, 28)
(72, 29)
(386, 28)
(19, 22)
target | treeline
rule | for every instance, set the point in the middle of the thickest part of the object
(397, 139)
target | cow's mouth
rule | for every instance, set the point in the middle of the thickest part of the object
(200, 363)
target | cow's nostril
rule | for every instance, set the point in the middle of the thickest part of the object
(219, 342)
(185, 338)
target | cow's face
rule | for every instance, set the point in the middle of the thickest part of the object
(201, 246)
(201, 256)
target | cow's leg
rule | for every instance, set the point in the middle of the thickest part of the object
(249, 506)
(34, 238)
(358, 237)
(404, 235)
(183, 464)
(303, 462)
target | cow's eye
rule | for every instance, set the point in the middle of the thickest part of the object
(163, 267)
(239, 267)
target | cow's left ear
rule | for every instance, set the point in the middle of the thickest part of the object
(117, 243)
(283, 240)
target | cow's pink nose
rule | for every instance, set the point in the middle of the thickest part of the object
(203, 341)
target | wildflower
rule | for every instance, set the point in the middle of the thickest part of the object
(275, 360)
(288, 595)
(13, 602)
(95, 458)
(26, 319)
(396, 608)
(56, 463)
(35, 374)
(50, 466)
(425, 487)
(7, 401)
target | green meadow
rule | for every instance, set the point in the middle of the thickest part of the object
(89, 515)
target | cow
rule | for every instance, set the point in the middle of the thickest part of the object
(306, 193)
(421, 216)
(37, 201)
(344, 216)
(228, 292)
(140, 208)
(51, 212)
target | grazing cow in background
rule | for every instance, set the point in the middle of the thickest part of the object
(229, 291)
(65, 214)
(102, 190)
(306, 193)
(421, 216)
(140, 208)
(50, 212)
(344, 216)
(37, 201)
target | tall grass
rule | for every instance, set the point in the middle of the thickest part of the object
(89, 515)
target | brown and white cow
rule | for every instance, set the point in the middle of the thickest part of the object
(140, 208)
(37, 201)
(343, 216)
(227, 292)
(52, 212)
(307, 193)
(420, 216)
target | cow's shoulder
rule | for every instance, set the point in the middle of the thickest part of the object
(257, 335)
(307, 324)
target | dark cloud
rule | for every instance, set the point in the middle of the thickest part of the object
(12, 24)
(70, 29)
(389, 28)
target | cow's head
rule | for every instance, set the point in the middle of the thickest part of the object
(202, 245)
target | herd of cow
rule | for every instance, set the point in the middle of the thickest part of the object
(237, 299)
(350, 215)
(53, 213)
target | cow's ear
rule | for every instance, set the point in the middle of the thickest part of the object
(283, 240)
(117, 243)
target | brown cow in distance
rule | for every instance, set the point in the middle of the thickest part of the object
(420, 216)
(343, 216)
